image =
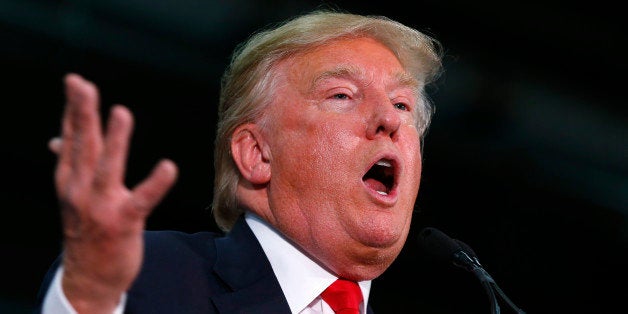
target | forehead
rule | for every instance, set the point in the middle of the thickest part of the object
(355, 58)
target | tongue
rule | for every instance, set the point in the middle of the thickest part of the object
(375, 185)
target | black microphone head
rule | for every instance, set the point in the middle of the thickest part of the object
(440, 247)
(437, 244)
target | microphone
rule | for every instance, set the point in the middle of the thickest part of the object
(445, 249)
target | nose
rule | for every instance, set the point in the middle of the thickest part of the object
(385, 121)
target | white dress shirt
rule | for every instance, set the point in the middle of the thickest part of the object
(55, 301)
(301, 279)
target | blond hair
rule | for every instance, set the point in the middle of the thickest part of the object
(247, 84)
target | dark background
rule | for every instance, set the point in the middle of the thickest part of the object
(525, 160)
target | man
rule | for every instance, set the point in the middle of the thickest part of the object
(318, 164)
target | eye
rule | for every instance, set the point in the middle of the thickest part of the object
(401, 106)
(340, 96)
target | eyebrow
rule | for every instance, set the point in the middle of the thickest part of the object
(407, 80)
(350, 71)
(341, 71)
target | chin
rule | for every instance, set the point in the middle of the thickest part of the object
(380, 251)
(369, 265)
(382, 233)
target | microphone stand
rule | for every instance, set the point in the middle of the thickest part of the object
(442, 247)
(472, 264)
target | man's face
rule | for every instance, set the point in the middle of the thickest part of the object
(345, 155)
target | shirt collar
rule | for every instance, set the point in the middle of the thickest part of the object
(301, 279)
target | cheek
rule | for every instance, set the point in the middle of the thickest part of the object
(330, 151)
(314, 150)
(416, 163)
(411, 150)
(333, 140)
(415, 181)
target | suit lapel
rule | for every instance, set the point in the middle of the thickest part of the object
(243, 266)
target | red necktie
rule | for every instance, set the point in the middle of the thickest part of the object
(343, 296)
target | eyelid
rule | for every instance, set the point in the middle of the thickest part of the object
(334, 96)
(406, 101)
(407, 107)
(333, 92)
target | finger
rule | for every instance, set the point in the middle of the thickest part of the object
(81, 129)
(151, 191)
(55, 145)
(116, 146)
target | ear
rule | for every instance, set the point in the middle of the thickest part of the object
(248, 154)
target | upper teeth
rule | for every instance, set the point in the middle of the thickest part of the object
(384, 163)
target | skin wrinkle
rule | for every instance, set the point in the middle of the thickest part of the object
(351, 73)
(293, 156)
(313, 132)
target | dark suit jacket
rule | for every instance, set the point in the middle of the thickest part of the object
(202, 273)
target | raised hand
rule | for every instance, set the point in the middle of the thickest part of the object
(102, 219)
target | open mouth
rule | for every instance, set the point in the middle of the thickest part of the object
(381, 176)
